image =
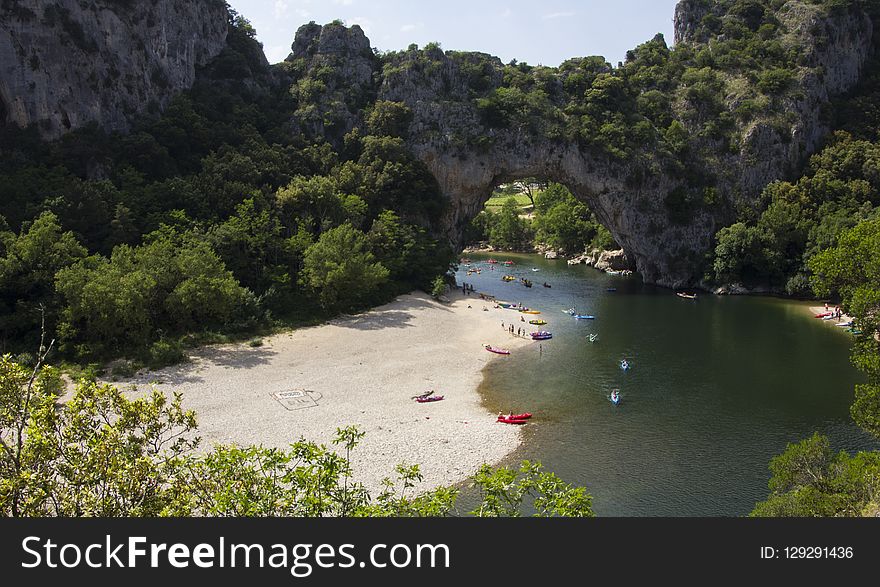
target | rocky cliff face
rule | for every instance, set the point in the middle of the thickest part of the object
(67, 63)
(340, 74)
(832, 53)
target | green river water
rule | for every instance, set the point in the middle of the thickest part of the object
(717, 386)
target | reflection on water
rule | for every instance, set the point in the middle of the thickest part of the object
(716, 387)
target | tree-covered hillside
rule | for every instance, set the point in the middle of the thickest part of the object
(218, 215)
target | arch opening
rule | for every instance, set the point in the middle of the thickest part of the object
(538, 214)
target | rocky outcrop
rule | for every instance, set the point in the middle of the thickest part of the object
(604, 260)
(338, 80)
(833, 51)
(67, 63)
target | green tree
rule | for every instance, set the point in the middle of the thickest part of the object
(99, 454)
(28, 264)
(508, 231)
(852, 271)
(739, 255)
(389, 119)
(502, 493)
(342, 271)
(810, 480)
(173, 283)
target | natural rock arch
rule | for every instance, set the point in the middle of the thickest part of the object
(661, 252)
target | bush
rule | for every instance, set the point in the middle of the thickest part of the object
(164, 353)
(438, 287)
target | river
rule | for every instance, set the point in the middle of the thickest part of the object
(717, 386)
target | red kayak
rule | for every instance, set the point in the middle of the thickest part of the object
(432, 398)
(508, 420)
(823, 315)
(497, 351)
(524, 416)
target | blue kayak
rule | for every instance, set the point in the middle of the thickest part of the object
(584, 317)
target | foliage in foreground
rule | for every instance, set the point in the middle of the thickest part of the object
(103, 454)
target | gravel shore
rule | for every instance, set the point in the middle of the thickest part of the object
(361, 370)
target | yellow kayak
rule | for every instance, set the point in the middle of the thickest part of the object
(529, 312)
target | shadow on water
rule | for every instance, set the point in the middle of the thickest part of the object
(717, 387)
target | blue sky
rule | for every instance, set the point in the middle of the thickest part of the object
(545, 32)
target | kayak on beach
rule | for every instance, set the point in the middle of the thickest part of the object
(495, 350)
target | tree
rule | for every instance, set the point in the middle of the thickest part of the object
(852, 270)
(389, 118)
(810, 480)
(563, 222)
(531, 187)
(438, 287)
(508, 231)
(100, 454)
(503, 490)
(173, 283)
(252, 247)
(738, 255)
(28, 264)
(342, 271)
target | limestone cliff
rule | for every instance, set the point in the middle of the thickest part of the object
(67, 63)
(339, 74)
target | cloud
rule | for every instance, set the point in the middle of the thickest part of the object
(344, 3)
(281, 8)
(507, 13)
(411, 27)
(553, 15)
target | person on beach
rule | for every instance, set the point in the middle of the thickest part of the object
(522, 319)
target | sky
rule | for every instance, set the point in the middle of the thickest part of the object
(545, 32)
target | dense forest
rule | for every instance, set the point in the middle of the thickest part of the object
(218, 217)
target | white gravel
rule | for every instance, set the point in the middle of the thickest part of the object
(363, 370)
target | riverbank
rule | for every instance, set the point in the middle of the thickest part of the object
(360, 370)
(844, 318)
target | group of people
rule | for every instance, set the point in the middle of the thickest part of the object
(517, 331)
(835, 313)
(466, 287)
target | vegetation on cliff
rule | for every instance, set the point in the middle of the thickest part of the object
(771, 246)
(218, 216)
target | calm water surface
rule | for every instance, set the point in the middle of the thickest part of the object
(717, 386)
